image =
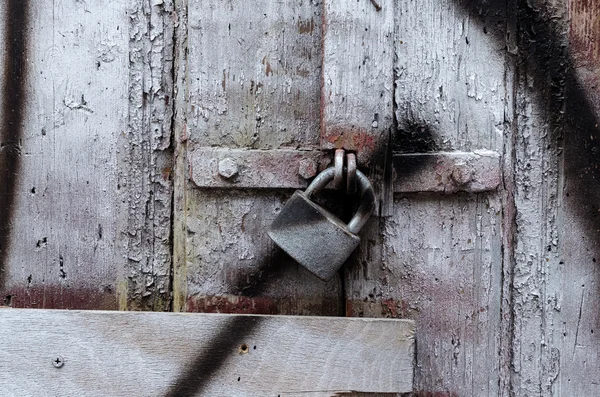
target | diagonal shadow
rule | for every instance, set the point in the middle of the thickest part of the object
(213, 356)
(255, 282)
(547, 65)
(13, 111)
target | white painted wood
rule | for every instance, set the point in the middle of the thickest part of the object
(93, 196)
(358, 84)
(62, 251)
(252, 75)
(556, 273)
(152, 354)
(145, 159)
(439, 260)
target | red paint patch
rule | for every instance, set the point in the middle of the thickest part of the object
(58, 297)
(584, 35)
(231, 305)
(350, 138)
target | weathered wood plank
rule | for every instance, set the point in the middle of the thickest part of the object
(145, 160)
(439, 266)
(358, 76)
(91, 212)
(61, 248)
(254, 73)
(557, 195)
(149, 354)
(358, 87)
(258, 88)
(439, 260)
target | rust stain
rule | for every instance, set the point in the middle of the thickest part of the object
(268, 70)
(62, 297)
(224, 81)
(240, 304)
(306, 27)
(166, 173)
(352, 138)
(376, 5)
(387, 308)
(302, 72)
(231, 305)
(584, 34)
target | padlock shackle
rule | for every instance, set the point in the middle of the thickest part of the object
(367, 196)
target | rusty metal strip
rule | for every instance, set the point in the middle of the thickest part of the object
(439, 172)
(224, 168)
(449, 172)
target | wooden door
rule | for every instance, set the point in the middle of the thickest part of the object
(475, 120)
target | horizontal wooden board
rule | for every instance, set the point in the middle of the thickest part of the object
(180, 354)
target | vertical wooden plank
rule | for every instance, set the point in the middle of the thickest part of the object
(358, 83)
(258, 88)
(90, 176)
(575, 283)
(61, 249)
(439, 260)
(358, 87)
(556, 274)
(145, 160)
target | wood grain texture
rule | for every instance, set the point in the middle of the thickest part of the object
(145, 160)
(440, 267)
(358, 83)
(439, 260)
(93, 193)
(258, 88)
(63, 233)
(147, 354)
(254, 73)
(556, 196)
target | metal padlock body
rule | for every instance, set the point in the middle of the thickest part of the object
(313, 236)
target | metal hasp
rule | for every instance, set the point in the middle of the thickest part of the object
(313, 236)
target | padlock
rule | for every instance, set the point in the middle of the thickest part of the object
(313, 236)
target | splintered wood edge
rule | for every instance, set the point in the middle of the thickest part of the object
(53, 352)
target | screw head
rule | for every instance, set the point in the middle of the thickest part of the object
(58, 362)
(308, 168)
(228, 168)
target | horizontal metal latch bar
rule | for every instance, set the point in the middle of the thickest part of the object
(443, 172)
